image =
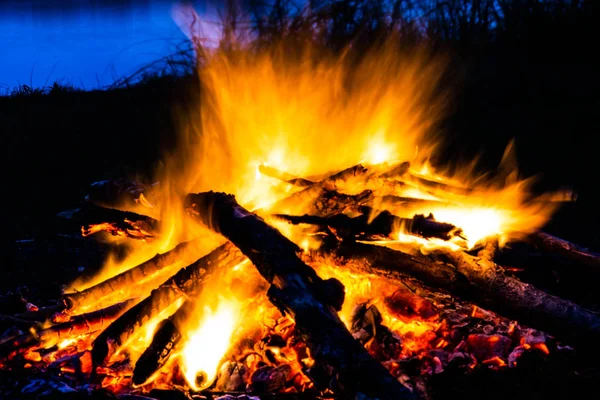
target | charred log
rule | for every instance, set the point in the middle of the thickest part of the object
(382, 225)
(480, 280)
(552, 244)
(129, 277)
(341, 363)
(396, 265)
(185, 281)
(119, 223)
(519, 300)
(167, 336)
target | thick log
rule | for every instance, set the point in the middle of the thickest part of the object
(119, 223)
(383, 225)
(76, 326)
(340, 362)
(515, 299)
(480, 280)
(130, 277)
(554, 245)
(185, 281)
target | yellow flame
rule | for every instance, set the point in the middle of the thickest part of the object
(207, 345)
(66, 342)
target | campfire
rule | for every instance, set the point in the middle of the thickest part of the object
(304, 244)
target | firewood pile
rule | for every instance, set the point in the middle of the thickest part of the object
(331, 304)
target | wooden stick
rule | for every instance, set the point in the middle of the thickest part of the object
(130, 277)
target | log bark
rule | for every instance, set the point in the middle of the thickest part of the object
(185, 281)
(341, 363)
(480, 280)
(119, 223)
(384, 224)
(130, 277)
(554, 245)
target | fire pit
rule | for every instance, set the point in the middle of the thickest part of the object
(299, 276)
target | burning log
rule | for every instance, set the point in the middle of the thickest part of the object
(167, 336)
(75, 326)
(122, 223)
(382, 225)
(340, 362)
(130, 277)
(396, 265)
(561, 247)
(519, 300)
(479, 279)
(185, 281)
(311, 194)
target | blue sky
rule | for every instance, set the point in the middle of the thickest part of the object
(87, 43)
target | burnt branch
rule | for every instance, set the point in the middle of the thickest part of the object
(383, 225)
(130, 277)
(75, 326)
(116, 222)
(185, 281)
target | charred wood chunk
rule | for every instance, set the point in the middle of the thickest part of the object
(268, 379)
(232, 377)
(486, 347)
(365, 321)
(165, 339)
(367, 328)
(406, 305)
